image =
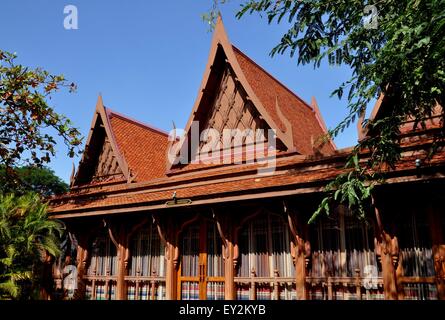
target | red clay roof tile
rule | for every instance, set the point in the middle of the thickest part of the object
(301, 116)
(143, 147)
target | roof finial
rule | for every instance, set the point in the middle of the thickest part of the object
(360, 129)
(99, 103)
(219, 25)
(320, 120)
(73, 175)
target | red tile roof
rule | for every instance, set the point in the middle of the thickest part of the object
(142, 146)
(142, 150)
(301, 116)
(294, 173)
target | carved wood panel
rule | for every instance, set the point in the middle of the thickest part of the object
(231, 109)
(107, 167)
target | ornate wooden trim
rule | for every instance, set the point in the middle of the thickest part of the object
(88, 236)
(108, 226)
(178, 234)
(157, 223)
(387, 250)
(128, 237)
(236, 235)
(300, 252)
(225, 241)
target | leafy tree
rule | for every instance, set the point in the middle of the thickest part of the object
(41, 180)
(27, 123)
(393, 47)
(27, 238)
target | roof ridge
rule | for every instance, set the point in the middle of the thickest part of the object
(136, 122)
(272, 77)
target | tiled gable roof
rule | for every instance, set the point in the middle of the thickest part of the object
(298, 126)
(133, 151)
(306, 128)
(142, 146)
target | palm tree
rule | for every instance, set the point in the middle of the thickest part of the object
(27, 238)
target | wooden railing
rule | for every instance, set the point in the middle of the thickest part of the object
(323, 288)
(265, 288)
(100, 287)
(145, 287)
(344, 288)
(418, 288)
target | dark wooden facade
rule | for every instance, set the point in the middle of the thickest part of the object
(144, 229)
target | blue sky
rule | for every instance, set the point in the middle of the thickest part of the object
(147, 59)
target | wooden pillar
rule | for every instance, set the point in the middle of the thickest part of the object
(300, 250)
(224, 226)
(82, 257)
(171, 271)
(438, 243)
(387, 249)
(300, 268)
(121, 292)
(229, 272)
(388, 257)
(171, 253)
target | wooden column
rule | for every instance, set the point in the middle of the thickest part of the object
(171, 271)
(229, 272)
(82, 257)
(300, 267)
(168, 237)
(121, 292)
(438, 243)
(300, 250)
(387, 249)
(230, 253)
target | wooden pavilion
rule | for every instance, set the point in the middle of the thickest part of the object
(144, 228)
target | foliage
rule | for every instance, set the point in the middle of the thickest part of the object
(399, 53)
(26, 237)
(27, 123)
(41, 180)
(349, 188)
(211, 16)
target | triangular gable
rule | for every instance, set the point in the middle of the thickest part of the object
(101, 160)
(383, 107)
(300, 122)
(228, 106)
(236, 93)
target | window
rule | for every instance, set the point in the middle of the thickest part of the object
(101, 272)
(146, 269)
(202, 265)
(264, 245)
(342, 251)
(416, 256)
